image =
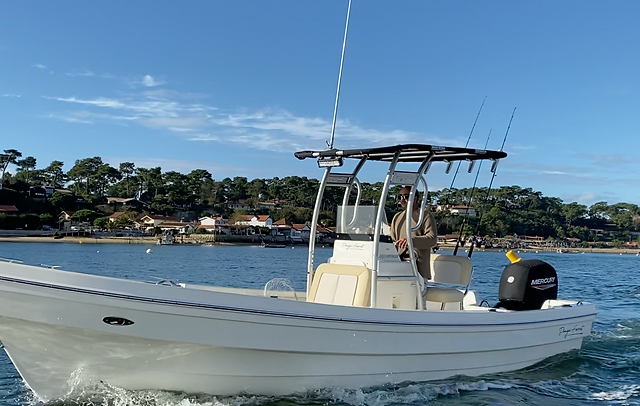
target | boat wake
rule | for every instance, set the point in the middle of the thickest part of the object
(102, 394)
(86, 390)
(588, 375)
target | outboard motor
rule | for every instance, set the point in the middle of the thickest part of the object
(526, 283)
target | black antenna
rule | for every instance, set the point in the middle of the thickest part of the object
(473, 189)
(494, 169)
(467, 144)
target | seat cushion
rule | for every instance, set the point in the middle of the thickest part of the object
(443, 295)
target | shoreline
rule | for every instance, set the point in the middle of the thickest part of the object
(154, 240)
(620, 251)
(84, 240)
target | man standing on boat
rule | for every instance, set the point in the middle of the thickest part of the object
(423, 238)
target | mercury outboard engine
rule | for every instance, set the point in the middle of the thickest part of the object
(526, 283)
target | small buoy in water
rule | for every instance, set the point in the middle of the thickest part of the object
(98, 252)
(148, 250)
(293, 247)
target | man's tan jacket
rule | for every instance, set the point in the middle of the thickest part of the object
(423, 239)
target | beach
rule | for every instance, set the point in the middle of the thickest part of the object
(83, 240)
(154, 240)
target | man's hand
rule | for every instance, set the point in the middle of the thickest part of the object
(401, 244)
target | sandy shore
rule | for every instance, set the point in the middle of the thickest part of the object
(153, 240)
(84, 240)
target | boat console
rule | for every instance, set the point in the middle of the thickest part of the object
(363, 240)
(397, 285)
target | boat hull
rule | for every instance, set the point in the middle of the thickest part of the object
(53, 328)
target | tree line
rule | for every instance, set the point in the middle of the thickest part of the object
(501, 212)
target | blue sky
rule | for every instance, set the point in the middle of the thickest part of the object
(235, 87)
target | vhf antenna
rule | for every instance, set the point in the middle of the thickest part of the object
(335, 109)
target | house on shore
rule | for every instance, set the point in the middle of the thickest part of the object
(8, 209)
(254, 221)
(459, 210)
(149, 222)
(178, 227)
(215, 224)
(125, 203)
(115, 216)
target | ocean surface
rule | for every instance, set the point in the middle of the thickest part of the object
(605, 372)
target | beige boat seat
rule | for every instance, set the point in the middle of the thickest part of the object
(448, 270)
(340, 284)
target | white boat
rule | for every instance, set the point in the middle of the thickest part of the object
(362, 322)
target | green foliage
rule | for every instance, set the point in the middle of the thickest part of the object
(46, 218)
(501, 212)
(64, 201)
(296, 215)
(102, 223)
(85, 215)
(125, 220)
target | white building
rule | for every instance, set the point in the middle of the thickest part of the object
(215, 224)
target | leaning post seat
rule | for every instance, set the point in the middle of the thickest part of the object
(340, 284)
(449, 270)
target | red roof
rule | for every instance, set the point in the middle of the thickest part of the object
(8, 209)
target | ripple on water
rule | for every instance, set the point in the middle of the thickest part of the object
(605, 371)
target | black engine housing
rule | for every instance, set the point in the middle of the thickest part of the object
(526, 284)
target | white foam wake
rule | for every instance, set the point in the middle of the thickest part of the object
(623, 393)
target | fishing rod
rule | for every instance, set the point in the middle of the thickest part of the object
(494, 170)
(335, 109)
(468, 139)
(473, 189)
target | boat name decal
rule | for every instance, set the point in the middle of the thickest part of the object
(353, 246)
(117, 321)
(576, 330)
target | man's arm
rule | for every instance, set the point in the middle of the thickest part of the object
(429, 233)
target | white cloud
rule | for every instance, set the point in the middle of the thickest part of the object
(149, 81)
(43, 67)
(69, 118)
(178, 124)
(266, 129)
(11, 95)
(84, 73)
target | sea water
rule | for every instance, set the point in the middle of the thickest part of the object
(605, 371)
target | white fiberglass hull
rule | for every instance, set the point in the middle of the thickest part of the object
(196, 340)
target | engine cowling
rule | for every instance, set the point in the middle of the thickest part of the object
(526, 284)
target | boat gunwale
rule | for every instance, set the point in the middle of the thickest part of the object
(281, 313)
